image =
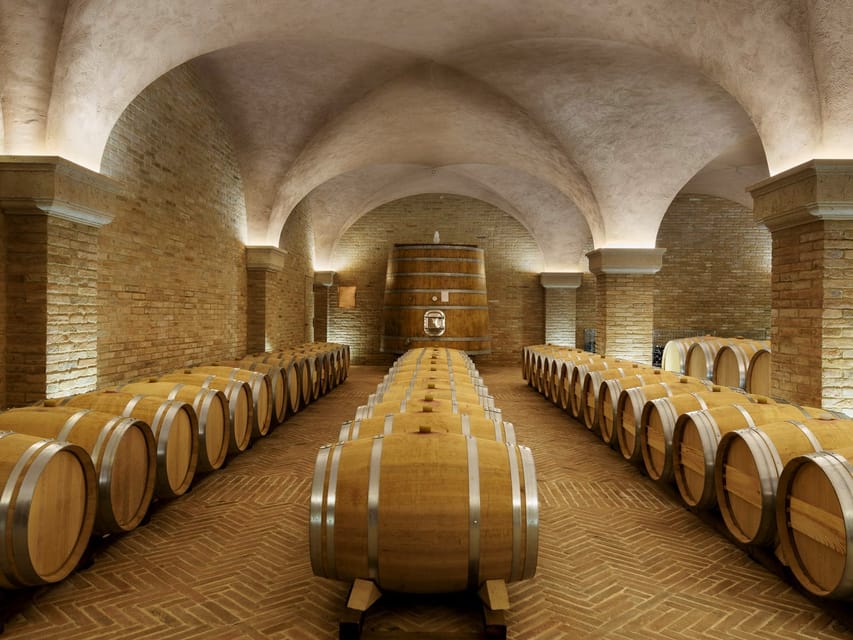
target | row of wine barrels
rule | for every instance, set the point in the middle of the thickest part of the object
(698, 433)
(551, 369)
(750, 461)
(629, 409)
(307, 372)
(729, 362)
(173, 423)
(92, 464)
(450, 495)
(122, 451)
(780, 473)
(658, 418)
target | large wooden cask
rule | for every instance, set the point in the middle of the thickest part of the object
(435, 294)
(445, 528)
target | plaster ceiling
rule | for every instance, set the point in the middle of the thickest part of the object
(582, 119)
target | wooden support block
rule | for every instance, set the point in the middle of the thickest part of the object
(494, 624)
(349, 626)
(362, 595)
(494, 595)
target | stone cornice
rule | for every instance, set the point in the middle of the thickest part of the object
(564, 280)
(816, 190)
(265, 258)
(324, 278)
(53, 186)
(625, 261)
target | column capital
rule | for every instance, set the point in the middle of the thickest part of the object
(49, 185)
(265, 258)
(625, 261)
(324, 278)
(815, 190)
(560, 280)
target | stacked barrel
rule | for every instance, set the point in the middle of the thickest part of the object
(729, 362)
(92, 464)
(779, 473)
(427, 490)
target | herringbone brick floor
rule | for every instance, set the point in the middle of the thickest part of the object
(619, 557)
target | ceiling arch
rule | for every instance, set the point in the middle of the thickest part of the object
(552, 220)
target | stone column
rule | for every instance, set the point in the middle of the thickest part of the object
(809, 212)
(264, 265)
(560, 307)
(323, 281)
(52, 212)
(624, 300)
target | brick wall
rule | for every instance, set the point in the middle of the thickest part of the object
(3, 368)
(72, 308)
(837, 320)
(715, 275)
(513, 262)
(716, 270)
(624, 316)
(171, 267)
(560, 316)
(292, 297)
(26, 303)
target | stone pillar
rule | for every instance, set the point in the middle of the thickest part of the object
(264, 264)
(52, 212)
(560, 307)
(323, 281)
(809, 212)
(624, 300)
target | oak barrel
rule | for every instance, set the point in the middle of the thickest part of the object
(814, 516)
(447, 527)
(435, 294)
(697, 434)
(174, 425)
(213, 423)
(476, 426)
(49, 502)
(629, 410)
(259, 382)
(122, 451)
(657, 424)
(750, 461)
(732, 361)
(239, 395)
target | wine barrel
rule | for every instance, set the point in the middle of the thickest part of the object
(591, 388)
(699, 361)
(174, 424)
(629, 409)
(435, 295)
(749, 462)
(578, 375)
(758, 373)
(447, 528)
(212, 418)
(814, 517)
(697, 434)
(608, 397)
(122, 451)
(239, 396)
(732, 361)
(50, 501)
(425, 404)
(464, 424)
(674, 356)
(261, 387)
(278, 384)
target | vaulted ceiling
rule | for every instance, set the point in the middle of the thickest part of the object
(582, 119)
